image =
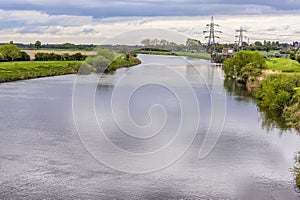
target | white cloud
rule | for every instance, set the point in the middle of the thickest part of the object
(28, 26)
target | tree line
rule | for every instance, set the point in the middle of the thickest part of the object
(10, 52)
(194, 45)
(58, 57)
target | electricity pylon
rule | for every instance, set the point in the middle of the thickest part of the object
(210, 28)
(240, 35)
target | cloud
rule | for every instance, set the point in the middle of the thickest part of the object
(114, 8)
(30, 25)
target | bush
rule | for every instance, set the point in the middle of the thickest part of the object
(24, 57)
(298, 59)
(10, 52)
(102, 60)
(243, 65)
(277, 91)
(293, 56)
(57, 57)
(85, 68)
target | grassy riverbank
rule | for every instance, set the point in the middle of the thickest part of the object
(154, 52)
(198, 55)
(123, 61)
(14, 71)
(283, 64)
(275, 92)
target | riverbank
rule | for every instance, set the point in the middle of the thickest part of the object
(277, 89)
(198, 55)
(275, 85)
(15, 71)
(124, 61)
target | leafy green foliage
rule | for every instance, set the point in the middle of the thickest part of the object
(101, 61)
(10, 52)
(38, 45)
(293, 56)
(298, 59)
(123, 61)
(123, 49)
(297, 170)
(106, 60)
(277, 91)
(298, 179)
(243, 65)
(57, 57)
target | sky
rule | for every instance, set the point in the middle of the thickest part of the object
(130, 21)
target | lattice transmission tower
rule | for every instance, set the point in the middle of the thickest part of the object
(240, 36)
(210, 28)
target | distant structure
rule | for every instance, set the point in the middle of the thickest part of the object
(240, 36)
(228, 52)
(210, 28)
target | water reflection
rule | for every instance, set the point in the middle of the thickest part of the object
(42, 157)
(236, 90)
(270, 119)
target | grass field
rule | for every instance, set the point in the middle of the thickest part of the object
(153, 52)
(268, 52)
(283, 64)
(32, 53)
(13, 71)
(195, 55)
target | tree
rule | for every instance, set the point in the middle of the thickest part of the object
(123, 49)
(276, 91)
(24, 56)
(10, 52)
(244, 65)
(193, 45)
(258, 43)
(146, 42)
(38, 44)
(101, 61)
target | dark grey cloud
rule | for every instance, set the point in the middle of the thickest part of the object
(113, 8)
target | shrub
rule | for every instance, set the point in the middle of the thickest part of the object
(277, 91)
(293, 56)
(243, 65)
(298, 59)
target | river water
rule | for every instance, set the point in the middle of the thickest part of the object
(42, 155)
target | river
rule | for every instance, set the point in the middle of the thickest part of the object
(42, 156)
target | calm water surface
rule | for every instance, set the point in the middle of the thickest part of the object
(42, 157)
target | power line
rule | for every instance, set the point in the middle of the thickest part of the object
(212, 36)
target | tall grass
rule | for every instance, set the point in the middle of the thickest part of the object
(13, 71)
(283, 64)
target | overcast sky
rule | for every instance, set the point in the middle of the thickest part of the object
(95, 21)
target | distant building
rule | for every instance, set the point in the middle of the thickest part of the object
(220, 57)
(228, 52)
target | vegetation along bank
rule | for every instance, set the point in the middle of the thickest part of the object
(273, 82)
(16, 64)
